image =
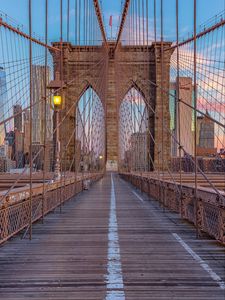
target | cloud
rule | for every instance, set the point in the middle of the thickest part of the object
(204, 104)
(210, 78)
(135, 97)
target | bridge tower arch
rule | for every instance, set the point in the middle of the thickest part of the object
(111, 74)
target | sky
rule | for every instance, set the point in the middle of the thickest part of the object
(18, 10)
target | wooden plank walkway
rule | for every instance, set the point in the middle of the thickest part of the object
(112, 243)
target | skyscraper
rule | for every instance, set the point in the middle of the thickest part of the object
(18, 118)
(26, 130)
(3, 101)
(205, 130)
(186, 116)
(38, 112)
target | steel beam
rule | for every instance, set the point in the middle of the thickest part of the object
(26, 36)
(100, 21)
(123, 20)
(217, 25)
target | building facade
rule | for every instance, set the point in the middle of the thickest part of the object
(18, 117)
(205, 136)
(38, 112)
(186, 124)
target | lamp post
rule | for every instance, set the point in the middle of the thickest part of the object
(57, 101)
(55, 86)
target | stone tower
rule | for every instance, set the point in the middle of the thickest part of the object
(125, 68)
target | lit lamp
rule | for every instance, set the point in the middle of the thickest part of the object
(100, 161)
(55, 86)
(57, 101)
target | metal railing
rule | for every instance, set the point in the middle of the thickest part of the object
(209, 208)
(15, 216)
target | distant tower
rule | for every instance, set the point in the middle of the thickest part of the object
(38, 112)
(186, 115)
(3, 101)
(26, 130)
(206, 132)
(18, 118)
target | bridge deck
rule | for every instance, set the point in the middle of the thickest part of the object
(110, 243)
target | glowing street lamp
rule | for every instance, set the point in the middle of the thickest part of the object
(55, 86)
(100, 161)
(57, 101)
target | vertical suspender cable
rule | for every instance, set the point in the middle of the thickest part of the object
(45, 104)
(195, 118)
(74, 124)
(84, 95)
(143, 23)
(149, 157)
(68, 20)
(139, 22)
(31, 111)
(137, 94)
(136, 26)
(155, 37)
(178, 104)
(143, 126)
(61, 78)
(64, 162)
(162, 100)
(155, 20)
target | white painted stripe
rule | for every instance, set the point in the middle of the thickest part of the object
(114, 278)
(137, 196)
(142, 200)
(202, 263)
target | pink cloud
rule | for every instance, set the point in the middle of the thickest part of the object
(203, 104)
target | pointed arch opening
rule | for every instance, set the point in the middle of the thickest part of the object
(90, 131)
(134, 132)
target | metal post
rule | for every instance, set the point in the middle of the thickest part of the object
(57, 174)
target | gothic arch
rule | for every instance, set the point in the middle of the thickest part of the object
(132, 85)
